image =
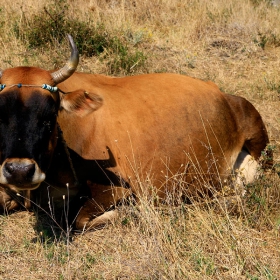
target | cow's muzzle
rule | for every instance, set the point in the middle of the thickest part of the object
(23, 174)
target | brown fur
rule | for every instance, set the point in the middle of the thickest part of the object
(156, 122)
(157, 130)
(161, 127)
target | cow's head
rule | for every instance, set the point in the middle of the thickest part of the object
(29, 104)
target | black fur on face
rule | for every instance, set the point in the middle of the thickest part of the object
(28, 127)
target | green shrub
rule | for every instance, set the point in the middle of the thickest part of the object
(49, 27)
(124, 59)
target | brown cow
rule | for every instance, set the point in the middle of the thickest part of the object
(137, 135)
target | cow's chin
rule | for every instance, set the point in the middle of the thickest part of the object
(23, 187)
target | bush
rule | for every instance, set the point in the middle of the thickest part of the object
(124, 59)
(49, 27)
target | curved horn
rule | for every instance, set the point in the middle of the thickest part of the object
(70, 67)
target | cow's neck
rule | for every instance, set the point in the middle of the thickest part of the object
(67, 154)
(61, 172)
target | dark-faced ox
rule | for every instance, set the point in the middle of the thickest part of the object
(118, 137)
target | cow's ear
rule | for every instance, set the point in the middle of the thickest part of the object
(80, 102)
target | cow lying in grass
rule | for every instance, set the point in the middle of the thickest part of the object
(127, 136)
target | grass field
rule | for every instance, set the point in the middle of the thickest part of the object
(234, 43)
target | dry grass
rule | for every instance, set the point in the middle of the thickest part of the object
(234, 43)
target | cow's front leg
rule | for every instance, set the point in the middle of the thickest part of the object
(100, 208)
(86, 221)
(7, 202)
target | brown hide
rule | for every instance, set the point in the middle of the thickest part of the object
(128, 134)
(159, 127)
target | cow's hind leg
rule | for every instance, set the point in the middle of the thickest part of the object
(246, 169)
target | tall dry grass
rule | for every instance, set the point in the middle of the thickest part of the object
(235, 44)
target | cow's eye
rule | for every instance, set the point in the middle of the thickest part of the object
(47, 123)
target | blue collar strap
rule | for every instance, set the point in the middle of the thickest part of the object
(49, 88)
(44, 86)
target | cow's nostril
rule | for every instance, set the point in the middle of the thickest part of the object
(9, 167)
(29, 170)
